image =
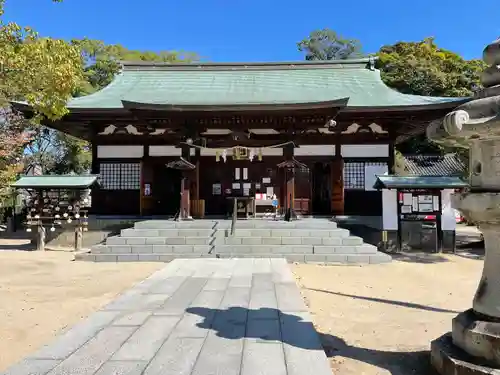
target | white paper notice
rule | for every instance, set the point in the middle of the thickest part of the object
(266, 180)
(269, 191)
(245, 173)
(236, 185)
(247, 185)
(435, 203)
(415, 204)
(236, 173)
(407, 199)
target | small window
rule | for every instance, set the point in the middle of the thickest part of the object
(120, 176)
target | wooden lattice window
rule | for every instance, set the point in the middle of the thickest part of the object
(355, 174)
(120, 176)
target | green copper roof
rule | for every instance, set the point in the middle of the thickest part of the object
(256, 83)
(419, 182)
(55, 182)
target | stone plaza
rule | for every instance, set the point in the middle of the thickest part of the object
(194, 316)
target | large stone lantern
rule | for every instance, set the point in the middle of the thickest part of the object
(473, 347)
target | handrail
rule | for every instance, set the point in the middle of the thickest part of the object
(235, 214)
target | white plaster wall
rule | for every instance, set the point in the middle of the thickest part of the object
(389, 209)
(448, 221)
(314, 150)
(119, 151)
(160, 150)
(365, 151)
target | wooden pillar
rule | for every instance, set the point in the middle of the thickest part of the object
(197, 175)
(289, 176)
(337, 176)
(185, 212)
(290, 187)
(185, 196)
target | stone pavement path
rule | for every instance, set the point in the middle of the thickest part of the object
(193, 317)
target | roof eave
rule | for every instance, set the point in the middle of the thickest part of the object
(457, 183)
(406, 108)
(338, 104)
(92, 181)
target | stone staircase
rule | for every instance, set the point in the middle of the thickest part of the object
(306, 240)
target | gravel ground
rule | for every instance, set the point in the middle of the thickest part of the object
(41, 293)
(380, 319)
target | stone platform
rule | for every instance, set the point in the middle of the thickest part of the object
(307, 240)
(193, 317)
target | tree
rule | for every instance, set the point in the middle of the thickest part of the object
(422, 68)
(102, 61)
(326, 44)
(11, 148)
(44, 72)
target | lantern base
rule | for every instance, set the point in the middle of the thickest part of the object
(472, 348)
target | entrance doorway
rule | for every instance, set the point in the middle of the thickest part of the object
(321, 189)
(166, 190)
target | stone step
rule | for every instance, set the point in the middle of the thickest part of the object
(172, 232)
(271, 224)
(320, 233)
(151, 249)
(326, 241)
(301, 258)
(119, 240)
(170, 224)
(294, 249)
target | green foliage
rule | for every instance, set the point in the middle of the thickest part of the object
(422, 68)
(44, 72)
(326, 44)
(102, 61)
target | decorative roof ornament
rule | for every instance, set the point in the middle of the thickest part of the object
(476, 119)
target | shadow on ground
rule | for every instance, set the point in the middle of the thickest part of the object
(272, 325)
(409, 305)
(418, 257)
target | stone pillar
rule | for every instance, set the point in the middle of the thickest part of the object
(473, 347)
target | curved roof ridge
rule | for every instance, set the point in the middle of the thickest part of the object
(148, 65)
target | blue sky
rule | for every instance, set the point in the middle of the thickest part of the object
(260, 30)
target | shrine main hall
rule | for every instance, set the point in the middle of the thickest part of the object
(312, 134)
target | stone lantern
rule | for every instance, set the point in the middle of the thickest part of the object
(473, 347)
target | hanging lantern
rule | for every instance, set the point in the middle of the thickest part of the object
(259, 156)
(217, 155)
(224, 155)
(251, 155)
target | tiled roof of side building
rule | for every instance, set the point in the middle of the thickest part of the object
(434, 165)
(216, 84)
